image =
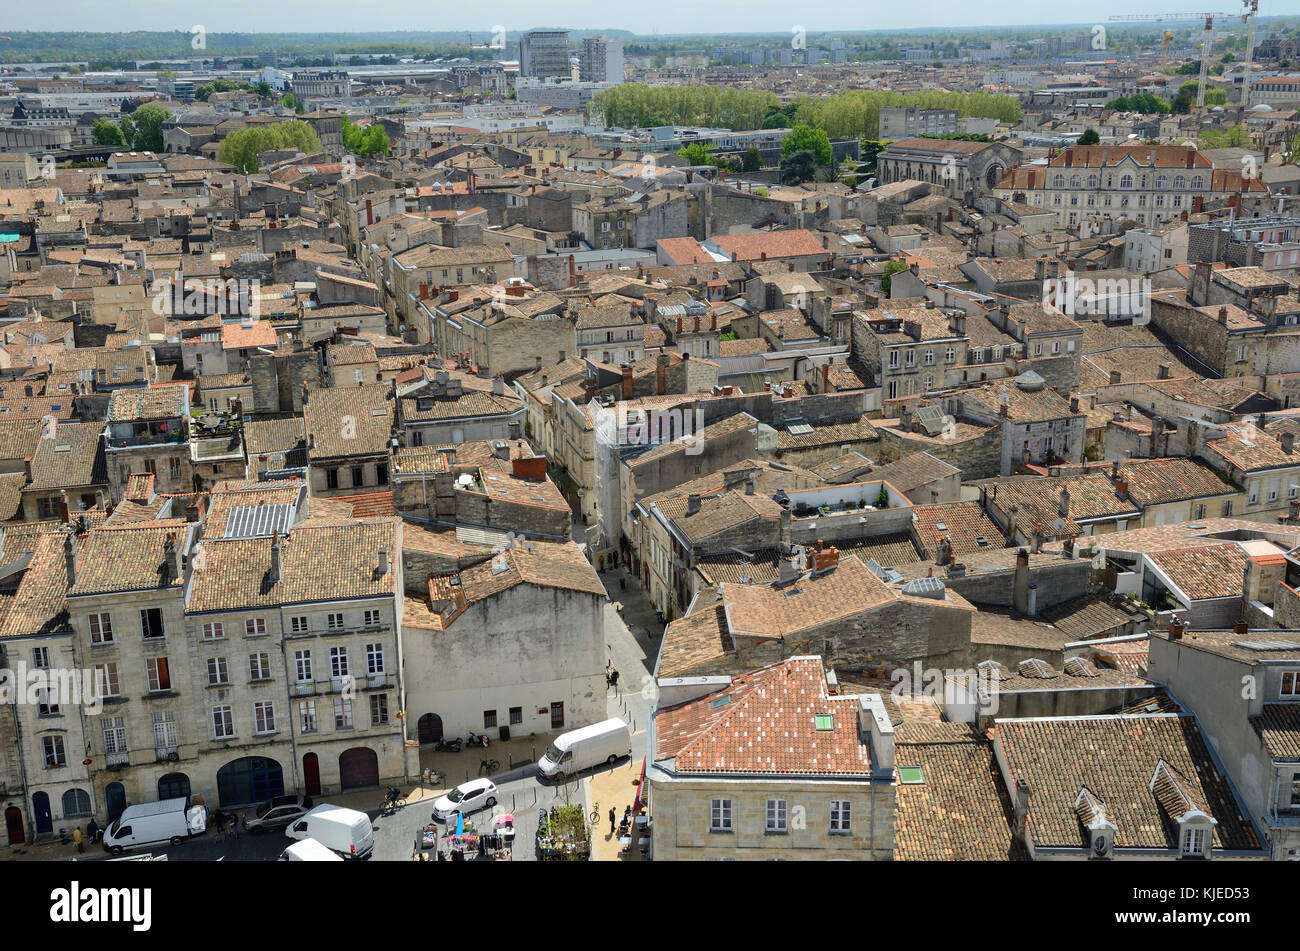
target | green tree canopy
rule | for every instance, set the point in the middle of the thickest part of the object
(798, 167)
(804, 138)
(365, 140)
(751, 160)
(696, 154)
(147, 123)
(886, 276)
(1142, 102)
(1089, 137)
(107, 132)
(241, 148)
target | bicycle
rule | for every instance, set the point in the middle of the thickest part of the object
(390, 805)
(491, 765)
(595, 813)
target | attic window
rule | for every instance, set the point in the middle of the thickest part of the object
(940, 527)
(824, 721)
(911, 775)
(719, 702)
(63, 448)
(981, 541)
(379, 411)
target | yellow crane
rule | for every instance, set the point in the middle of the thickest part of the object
(1206, 43)
(1164, 51)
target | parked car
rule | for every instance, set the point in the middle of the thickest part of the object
(466, 798)
(276, 813)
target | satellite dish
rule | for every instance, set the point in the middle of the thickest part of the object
(1059, 524)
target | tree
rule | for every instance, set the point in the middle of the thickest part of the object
(751, 160)
(148, 122)
(106, 132)
(1142, 102)
(1089, 137)
(1236, 137)
(263, 89)
(804, 138)
(241, 148)
(886, 276)
(696, 154)
(365, 140)
(128, 131)
(798, 167)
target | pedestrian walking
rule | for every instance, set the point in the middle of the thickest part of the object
(612, 819)
(92, 831)
(613, 678)
(78, 838)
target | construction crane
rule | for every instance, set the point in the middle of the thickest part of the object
(1164, 51)
(1249, 17)
(1206, 43)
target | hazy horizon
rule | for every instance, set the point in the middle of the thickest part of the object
(675, 16)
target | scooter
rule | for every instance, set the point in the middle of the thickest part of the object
(477, 740)
(448, 746)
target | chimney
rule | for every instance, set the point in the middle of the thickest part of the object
(1022, 806)
(943, 552)
(874, 721)
(172, 558)
(1176, 628)
(1020, 588)
(1115, 378)
(1240, 626)
(1065, 503)
(692, 503)
(1114, 469)
(1074, 404)
(751, 483)
(70, 559)
(277, 560)
(627, 383)
(1162, 372)
(1288, 442)
(1031, 608)
(661, 374)
(1121, 488)
(1038, 540)
(65, 513)
(826, 377)
(1223, 316)
(383, 562)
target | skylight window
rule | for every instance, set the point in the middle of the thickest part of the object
(824, 721)
(911, 775)
(719, 702)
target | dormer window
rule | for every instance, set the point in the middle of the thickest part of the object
(1195, 842)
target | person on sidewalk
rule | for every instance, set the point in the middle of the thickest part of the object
(92, 831)
(613, 678)
(80, 839)
(612, 818)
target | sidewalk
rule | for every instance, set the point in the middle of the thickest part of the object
(612, 788)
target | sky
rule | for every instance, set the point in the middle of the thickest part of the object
(640, 16)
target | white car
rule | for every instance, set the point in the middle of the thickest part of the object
(466, 798)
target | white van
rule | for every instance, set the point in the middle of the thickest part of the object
(153, 823)
(308, 850)
(572, 752)
(341, 830)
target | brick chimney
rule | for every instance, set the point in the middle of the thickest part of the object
(1223, 316)
(1240, 626)
(1176, 628)
(661, 374)
(1288, 442)
(627, 383)
(1064, 507)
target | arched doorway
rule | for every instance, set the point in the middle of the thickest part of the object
(14, 826)
(358, 767)
(41, 812)
(115, 798)
(311, 774)
(174, 786)
(429, 729)
(250, 779)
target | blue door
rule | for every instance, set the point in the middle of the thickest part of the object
(41, 810)
(115, 799)
(247, 780)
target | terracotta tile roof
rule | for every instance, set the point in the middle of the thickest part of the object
(1209, 571)
(319, 563)
(40, 603)
(147, 402)
(1175, 479)
(1039, 501)
(960, 811)
(1150, 156)
(371, 504)
(1247, 447)
(349, 421)
(718, 513)
(1278, 728)
(769, 612)
(72, 459)
(1116, 758)
(127, 559)
(835, 432)
(548, 565)
(274, 435)
(773, 244)
(766, 724)
(962, 524)
(1087, 617)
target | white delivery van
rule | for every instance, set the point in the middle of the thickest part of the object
(572, 752)
(345, 831)
(152, 823)
(308, 850)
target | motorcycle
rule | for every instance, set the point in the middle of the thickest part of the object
(477, 740)
(448, 746)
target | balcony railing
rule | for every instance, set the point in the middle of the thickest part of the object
(117, 759)
(167, 752)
